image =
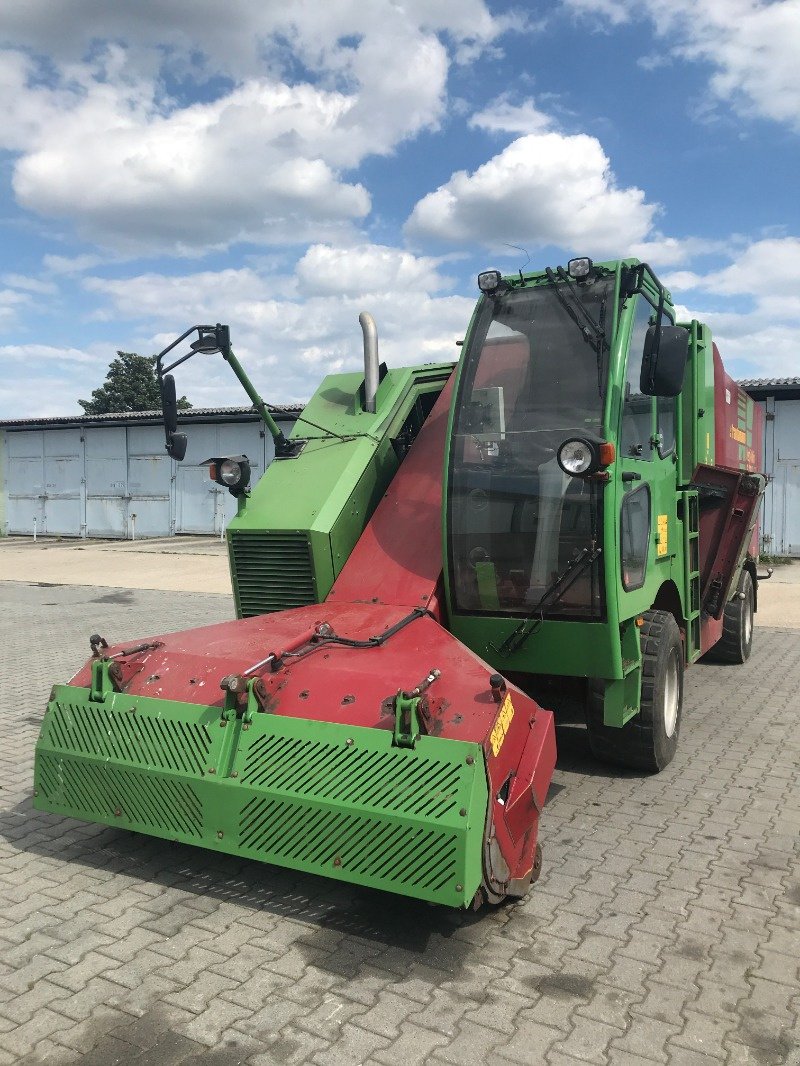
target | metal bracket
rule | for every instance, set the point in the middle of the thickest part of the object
(237, 688)
(407, 709)
(106, 676)
(406, 720)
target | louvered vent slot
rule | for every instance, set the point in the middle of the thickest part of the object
(129, 798)
(384, 781)
(349, 844)
(131, 737)
(272, 571)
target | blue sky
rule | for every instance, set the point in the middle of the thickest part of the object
(283, 166)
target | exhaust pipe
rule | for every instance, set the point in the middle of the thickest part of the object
(371, 365)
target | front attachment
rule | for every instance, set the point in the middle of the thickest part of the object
(326, 798)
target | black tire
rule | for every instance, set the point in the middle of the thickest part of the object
(648, 741)
(736, 642)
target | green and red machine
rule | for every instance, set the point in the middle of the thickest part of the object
(571, 507)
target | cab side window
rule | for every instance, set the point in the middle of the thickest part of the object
(637, 410)
(665, 412)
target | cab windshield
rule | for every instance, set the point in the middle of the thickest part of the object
(534, 375)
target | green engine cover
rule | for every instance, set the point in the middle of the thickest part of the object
(295, 533)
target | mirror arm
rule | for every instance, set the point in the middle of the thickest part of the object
(282, 445)
(166, 369)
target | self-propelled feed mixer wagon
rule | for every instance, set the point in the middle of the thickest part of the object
(571, 507)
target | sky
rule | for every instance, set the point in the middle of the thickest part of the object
(281, 166)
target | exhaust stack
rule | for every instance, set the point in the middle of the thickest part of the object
(371, 364)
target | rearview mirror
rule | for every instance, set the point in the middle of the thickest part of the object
(176, 442)
(176, 446)
(169, 404)
(666, 350)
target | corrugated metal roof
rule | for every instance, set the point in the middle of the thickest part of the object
(127, 417)
(769, 383)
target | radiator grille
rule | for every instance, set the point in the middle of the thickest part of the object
(132, 737)
(388, 854)
(272, 571)
(132, 798)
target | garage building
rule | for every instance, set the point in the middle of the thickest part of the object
(109, 475)
(780, 525)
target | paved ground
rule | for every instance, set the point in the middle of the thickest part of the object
(197, 564)
(200, 564)
(665, 927)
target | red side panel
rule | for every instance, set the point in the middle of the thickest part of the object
(398, 559)
(739, 422)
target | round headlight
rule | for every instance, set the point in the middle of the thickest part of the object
(230, 472)
(577, 457)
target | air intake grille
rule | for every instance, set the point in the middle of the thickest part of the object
(272, 572)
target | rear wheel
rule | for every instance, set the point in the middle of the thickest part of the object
(736, 642)
(649, 740)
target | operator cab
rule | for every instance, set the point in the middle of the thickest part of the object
(530, 404)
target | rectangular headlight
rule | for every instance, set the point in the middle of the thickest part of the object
(489, 280)
(579, 268)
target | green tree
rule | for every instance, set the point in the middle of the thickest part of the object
(131, 385)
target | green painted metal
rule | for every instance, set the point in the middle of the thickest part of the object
(335, 800)
(293, 535)
(608, 650)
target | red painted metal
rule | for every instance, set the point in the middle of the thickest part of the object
(357, 687)
(395, 568)
(398, 558)
(737, 446)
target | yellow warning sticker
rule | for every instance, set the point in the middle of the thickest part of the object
(498, 733)
(663, 535)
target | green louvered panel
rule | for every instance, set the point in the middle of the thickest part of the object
(271, 571)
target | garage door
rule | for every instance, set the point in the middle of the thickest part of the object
(45, 482)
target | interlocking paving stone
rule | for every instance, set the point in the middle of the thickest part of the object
(665, 927)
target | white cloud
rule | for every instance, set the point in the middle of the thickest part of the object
(325, 270)
(758, 337)
(543, 189)
(503, 116)
(20, 281)
(288, 344)
(11, 303)
(31, 354)
(751, 46)
(307, 92)
(71, 264)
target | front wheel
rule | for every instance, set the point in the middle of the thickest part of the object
(650, 739)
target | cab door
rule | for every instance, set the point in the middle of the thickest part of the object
(648, 513)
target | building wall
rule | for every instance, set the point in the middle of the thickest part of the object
(117, 481)
(781, 524)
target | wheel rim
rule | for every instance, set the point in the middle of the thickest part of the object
(671, 696)
(748, 620)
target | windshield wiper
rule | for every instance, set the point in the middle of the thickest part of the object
(599, 331)
(552, 595)
(598, 328)
(586, 334)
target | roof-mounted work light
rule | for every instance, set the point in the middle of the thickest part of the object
(580, 269)
(489, 281)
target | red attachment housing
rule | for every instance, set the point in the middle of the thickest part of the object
(392, 575)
